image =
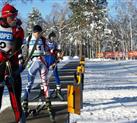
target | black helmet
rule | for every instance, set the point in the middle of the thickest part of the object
(37, 28)
(52, 34)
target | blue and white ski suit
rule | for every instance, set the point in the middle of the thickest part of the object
(51, 58)
(37, 64)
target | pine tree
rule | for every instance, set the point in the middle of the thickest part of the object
(34, 18)
(88, 23)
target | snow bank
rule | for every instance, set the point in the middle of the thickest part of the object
(99, 59)
(66, 58)
(76, 57)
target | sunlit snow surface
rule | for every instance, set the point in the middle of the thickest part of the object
(110, 92)
(6, 100)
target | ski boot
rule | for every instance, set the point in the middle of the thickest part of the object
(50, 110)
(59, 93)
(25, 107)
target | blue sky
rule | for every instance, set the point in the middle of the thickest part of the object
(111, 7)
(45, 6)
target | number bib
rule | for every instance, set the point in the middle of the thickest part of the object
(6, 39)
(39, 47)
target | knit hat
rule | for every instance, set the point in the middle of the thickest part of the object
(37, 28)
(52, 34)
(8, 10)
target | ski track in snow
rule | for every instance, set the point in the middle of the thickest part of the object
(110, 92)
(5, 98)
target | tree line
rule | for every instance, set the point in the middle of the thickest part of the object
(86, 27)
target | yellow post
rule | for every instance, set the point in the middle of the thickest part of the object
(82, 69)
(75, 92)
(74, 99)
(82, 60)
(78, 75)
(82, 64)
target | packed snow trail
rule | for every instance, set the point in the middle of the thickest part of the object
(59, 107)
(110, 93)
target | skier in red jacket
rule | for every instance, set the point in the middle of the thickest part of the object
(11, 39)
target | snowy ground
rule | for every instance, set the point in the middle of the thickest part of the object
(110, 93)
(6, 100)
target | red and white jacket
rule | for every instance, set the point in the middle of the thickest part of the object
(11, 40)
